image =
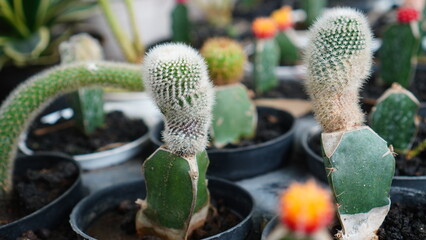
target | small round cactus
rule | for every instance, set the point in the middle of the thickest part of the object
(339, 60)
(225, 59)
(176, 77)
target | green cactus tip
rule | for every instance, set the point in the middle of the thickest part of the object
(339, 59)
(177, 79)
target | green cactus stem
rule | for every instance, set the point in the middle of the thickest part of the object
(266, 59)
(394, 118)
(177, 199)
(87, 104)
(181, 25)
(313, 9)
(289, 52)
(359, 163)
(234, 114)
(27, 100)
(398, 53)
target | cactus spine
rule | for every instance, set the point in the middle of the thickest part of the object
(398, 53)
(177, 199)
(289, 52)
(394, 117)
(266, 55)
(23, 104)
(87, 104)
(180, 23)
(359, 162)
(234, 114)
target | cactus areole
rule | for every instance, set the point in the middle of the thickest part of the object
(359, 164)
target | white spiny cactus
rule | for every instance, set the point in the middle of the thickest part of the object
(176, 77)
(338, 59)
(80, 47)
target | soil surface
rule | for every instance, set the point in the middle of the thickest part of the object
(413, 167)
(404, 222)
(66, 137)
(36, 189)
(119, 223)
(285, 89)
(269, 126)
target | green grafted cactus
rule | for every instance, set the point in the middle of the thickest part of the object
(177, 199)
(398, 53)
(359, 163)
(87, 104)
(234, 114)
(313, 9)
(394, 117)
(180, 23)
(289, 51)
(23, 104)
(266, 59)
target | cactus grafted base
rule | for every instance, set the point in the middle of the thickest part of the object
(177, 199)
(394, 117)
(360, 168)
(266, 58)
(234, 115)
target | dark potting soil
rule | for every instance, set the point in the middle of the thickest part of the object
(285, 89)
(36, 189)
(117, 131)
(62, 232)
(404, 222)
(413, 167)
(119, 223)
(269, 126)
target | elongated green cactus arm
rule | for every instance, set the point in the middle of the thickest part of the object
(177, 197)
(394, 117)
(289, 52)
(23, 104)
(359, 164)
(266, 58)
(87, 104)
(398, 53)
(181, 25)
(313, 9)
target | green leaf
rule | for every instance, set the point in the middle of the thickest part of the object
(30, 11)
(23, 50)
(77, 12)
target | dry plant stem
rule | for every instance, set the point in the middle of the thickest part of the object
(417, 150)
(137, 41)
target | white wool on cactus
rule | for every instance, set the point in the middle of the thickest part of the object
(176, 77)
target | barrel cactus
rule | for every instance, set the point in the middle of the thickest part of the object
(359, 163)
(177, 199)
(234, 114)
(398, 53)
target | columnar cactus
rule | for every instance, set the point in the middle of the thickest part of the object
(398, 53)
(266, 54)
(23, 104)
(289, 52)
(313, 9)
(87, 104)
(305, 210)
(181, 25)
(234, 114)
(394, 118)
(177, 199)
(359, 163)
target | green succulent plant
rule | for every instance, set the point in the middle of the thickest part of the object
(26, 28)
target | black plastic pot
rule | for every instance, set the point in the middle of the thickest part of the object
(398, 194)
(233, 196)
(249, 161)
(316, 165)
(53, 213)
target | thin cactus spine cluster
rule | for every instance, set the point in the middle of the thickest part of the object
(181, 26)
(177, 199)
(394, 118)
(23, 104)
(87, 104)
(339, 59)
(398, 53)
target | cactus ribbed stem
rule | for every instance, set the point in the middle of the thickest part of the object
(23, 104)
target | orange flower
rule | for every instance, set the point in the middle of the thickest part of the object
(282, 17)
(306, 208)
(264, 27)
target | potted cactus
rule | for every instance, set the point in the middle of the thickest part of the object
(177, 195)
(87, 135)
(305, 210)
(236, 132)
(359, 164)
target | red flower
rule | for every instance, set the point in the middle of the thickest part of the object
(406, 15)
(181, 1)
